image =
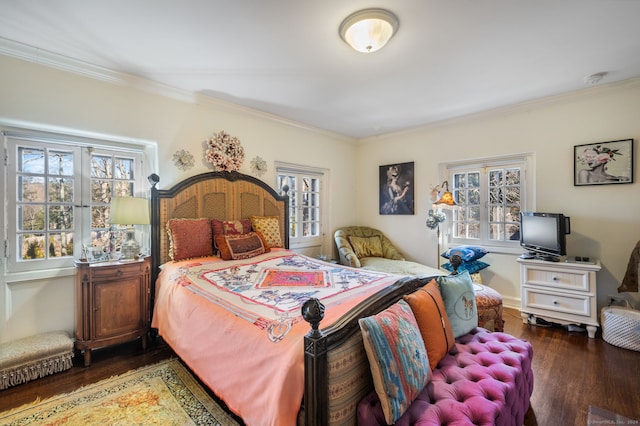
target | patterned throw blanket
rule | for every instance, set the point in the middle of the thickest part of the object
(269, 290)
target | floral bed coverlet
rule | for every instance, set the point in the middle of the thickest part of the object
(238, 326)
(269, 290)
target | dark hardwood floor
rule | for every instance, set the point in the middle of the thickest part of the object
(571, 372)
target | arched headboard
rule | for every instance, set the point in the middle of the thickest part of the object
(214, 195)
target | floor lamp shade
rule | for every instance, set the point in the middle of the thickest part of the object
(129, 211)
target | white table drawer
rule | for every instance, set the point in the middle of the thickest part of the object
(578, 280)
(573, 304)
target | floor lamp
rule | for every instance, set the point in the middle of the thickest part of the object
(436, 215)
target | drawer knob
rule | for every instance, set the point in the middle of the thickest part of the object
(555, 278)
(119, 273)
(555, 302)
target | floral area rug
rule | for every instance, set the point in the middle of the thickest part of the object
(160, 394)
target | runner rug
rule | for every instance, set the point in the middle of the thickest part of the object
(160, 394)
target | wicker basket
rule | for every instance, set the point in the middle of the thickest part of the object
(621, 327)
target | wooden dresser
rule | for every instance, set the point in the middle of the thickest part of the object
(112, 304)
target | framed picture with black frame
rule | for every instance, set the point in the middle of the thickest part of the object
(396, 189)
(603, 163)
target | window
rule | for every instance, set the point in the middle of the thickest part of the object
(58, 194)
(490, 195)
(306, 203)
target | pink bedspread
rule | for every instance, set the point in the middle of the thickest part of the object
(237, 324)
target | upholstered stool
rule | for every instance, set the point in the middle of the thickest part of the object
(34, 357)
(489, 303)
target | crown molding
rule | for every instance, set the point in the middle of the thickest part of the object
(53, 60)
(64, 63)
(507, 109)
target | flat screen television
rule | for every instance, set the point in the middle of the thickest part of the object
(543, 235)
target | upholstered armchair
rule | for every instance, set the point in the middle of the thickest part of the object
(369, 248)
(368, 245)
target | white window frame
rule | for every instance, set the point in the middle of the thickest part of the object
(526, 163)
(301, 171)
(82, 144)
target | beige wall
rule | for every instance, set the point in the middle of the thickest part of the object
(49, 97)
(605, 220)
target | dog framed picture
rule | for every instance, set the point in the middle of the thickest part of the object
(396, 189)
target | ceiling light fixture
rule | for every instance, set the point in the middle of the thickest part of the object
(368, 30)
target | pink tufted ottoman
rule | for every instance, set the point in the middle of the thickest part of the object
(486, 379)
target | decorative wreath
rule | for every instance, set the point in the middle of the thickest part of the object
(224, 152)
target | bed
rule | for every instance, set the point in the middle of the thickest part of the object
(250, 327)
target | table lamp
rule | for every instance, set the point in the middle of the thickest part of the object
(130, 211)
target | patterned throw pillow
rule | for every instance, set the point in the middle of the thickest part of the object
(189, 238)
(397, 357)
(428, 308)
(466, 252)
(241, 246)
(366, 246)
(472, 267)
(229, 227)
(269, 227)
(460, 302)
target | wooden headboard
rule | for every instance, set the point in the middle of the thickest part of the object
(214, 195)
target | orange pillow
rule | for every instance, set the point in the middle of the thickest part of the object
(428, 308)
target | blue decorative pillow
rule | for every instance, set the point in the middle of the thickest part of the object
(471, 267)
(459, 302)
(467, 253)
(397, 357)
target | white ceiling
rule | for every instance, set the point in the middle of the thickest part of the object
(285, 57)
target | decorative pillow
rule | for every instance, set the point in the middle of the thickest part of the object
(397, 357)
(467, 253)
(428, 308)
(229, 227)
(241, 246)
(269, 227)
(366, 246)
(459, 302)
(189, 238)
(471, 267)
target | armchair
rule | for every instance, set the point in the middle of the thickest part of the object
(369, 248)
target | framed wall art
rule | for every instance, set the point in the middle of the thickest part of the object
(396, 189)
(603, 163)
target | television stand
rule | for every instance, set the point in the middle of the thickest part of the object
(563, 293)
(534, 255)
(547, 258)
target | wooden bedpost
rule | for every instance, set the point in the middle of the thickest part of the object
(155, 234)
(155, 241)
(315, 366)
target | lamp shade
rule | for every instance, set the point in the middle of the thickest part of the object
(129, 211)
(446, 201)
(368, 30)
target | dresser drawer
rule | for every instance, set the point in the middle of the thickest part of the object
(568, 280)
(573, 304)
(118, 271)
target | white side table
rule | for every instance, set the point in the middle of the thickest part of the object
(560, 292)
